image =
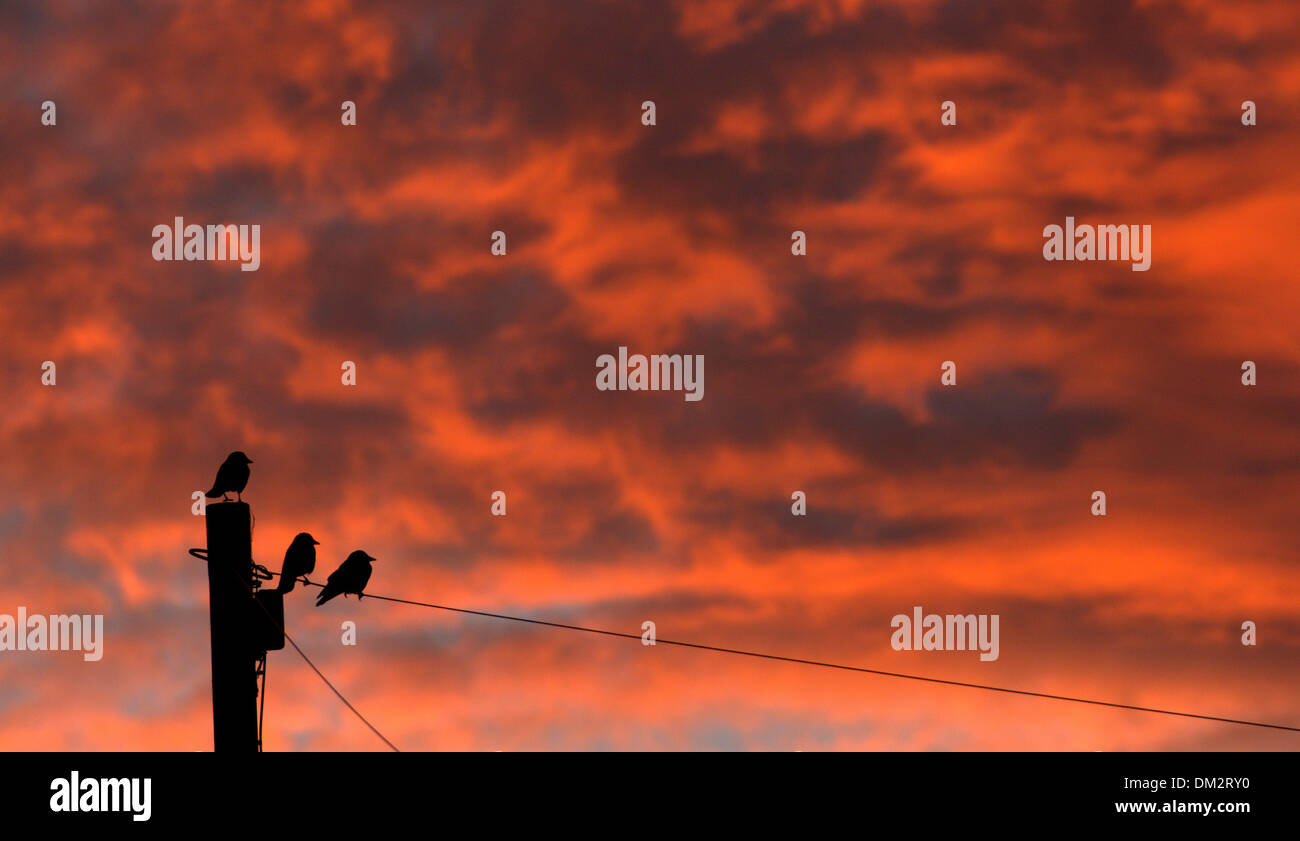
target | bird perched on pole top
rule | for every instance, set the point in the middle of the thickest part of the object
(232, 476)
(299, 560)
(351, 577)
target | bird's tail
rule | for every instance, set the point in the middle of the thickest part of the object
(325, 595)
(286, 583)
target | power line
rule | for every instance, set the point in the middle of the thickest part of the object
(822, 664)
(261, 571)
(261, 703)
(321, 675)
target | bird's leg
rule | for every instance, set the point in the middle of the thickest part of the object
(239, 496)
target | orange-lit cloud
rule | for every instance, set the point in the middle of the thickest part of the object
(476, 373)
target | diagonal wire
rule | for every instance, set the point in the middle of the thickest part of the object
(321, 675)
(306, 659)
(826, 665)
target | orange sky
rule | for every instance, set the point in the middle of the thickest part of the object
(476, 373)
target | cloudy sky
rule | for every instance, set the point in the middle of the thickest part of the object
(476, 373)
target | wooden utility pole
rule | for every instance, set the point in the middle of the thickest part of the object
(234, 667)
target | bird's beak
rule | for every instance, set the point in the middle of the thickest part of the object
(249, 460)
(316, 542)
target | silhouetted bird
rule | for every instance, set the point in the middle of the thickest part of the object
(299, 560)
(232, 476)
(351, 577)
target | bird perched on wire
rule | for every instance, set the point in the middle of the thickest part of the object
(232, 476)
(299, 560)
(351, 577)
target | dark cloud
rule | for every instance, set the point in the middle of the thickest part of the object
(477, 372)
